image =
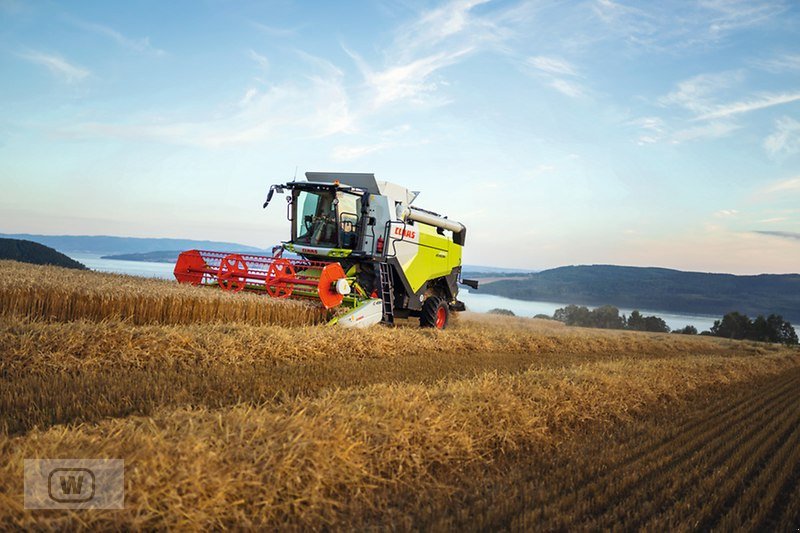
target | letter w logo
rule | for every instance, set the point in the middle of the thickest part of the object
(76, 485)
(69, 485)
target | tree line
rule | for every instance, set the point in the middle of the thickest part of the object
(770, 329)
(733, 325)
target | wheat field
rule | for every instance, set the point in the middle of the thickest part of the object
(244, 420)
(53, 293)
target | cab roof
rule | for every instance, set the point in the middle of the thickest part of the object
(367, 182)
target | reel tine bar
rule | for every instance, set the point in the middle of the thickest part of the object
(275, 276)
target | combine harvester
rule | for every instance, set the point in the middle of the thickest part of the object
(362, 247)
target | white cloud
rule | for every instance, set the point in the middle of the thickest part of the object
(434, 26)
(726, 213)
(137, 45)
(273, 31)
(613, 12)
(779, 64)
(730, 15)
(322, 65)
(784, 186)
(653, 129)
(649, 123)
(319, 104)
(661, 27)
(348, 153)
(386, 139)
(765, 101)
(700, 96)
(315, 109)
(712, 130)
(260, 60)
(568, 88)
(409, 81)
(248, 97)
(436, 39)
(553, 70)
(552, 65)
(57, 65)
(785, 139)
(698, 93)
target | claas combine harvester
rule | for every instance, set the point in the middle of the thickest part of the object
(358, 248)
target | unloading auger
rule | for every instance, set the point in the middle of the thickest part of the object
(360, 249)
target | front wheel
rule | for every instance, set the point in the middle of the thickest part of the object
(435, 313)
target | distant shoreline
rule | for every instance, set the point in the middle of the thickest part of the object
(168, 256)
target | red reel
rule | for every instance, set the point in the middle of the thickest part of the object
(189, 267)
(232, 275)
(279, 271)
(327, 281)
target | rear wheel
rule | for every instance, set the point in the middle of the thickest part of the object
(435, 313)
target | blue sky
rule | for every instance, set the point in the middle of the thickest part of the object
(637, 133)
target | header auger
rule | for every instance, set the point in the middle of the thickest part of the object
(359, 247)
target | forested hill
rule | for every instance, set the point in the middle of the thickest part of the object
(658, 289)
(101, 244)
(33, 252)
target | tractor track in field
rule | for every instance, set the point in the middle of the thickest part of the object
(673, 453)
(729, 463)
(709, 472)
(740, 437)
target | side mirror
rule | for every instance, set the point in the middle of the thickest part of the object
(472, 283)
(272, 190)
(269, 197)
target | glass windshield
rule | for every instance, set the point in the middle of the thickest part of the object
(315, 219)
(326, 218)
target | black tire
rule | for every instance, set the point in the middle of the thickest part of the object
(435, 313)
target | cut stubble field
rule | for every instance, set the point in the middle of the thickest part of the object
(229, 418)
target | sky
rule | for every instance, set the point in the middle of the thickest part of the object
(584, 132)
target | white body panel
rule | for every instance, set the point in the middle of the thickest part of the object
(367, 314)
(380, 210)
(435, 221)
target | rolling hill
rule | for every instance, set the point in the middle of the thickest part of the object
(658, 289)
(35, 253)
(103, 244)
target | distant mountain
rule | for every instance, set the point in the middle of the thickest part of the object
(153, 257)
(33, 252)
(658, 289)
(481, 269)
(101, 244)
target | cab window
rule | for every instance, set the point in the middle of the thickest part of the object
(315, 219)
(349, 210)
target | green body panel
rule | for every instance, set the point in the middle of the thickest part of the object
(436, 256)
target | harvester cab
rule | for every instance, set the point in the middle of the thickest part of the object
(358, 245)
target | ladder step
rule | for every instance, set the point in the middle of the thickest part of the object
(387, 292)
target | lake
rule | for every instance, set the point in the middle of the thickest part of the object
(134, 268)
(486, 302)
(477, 302)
